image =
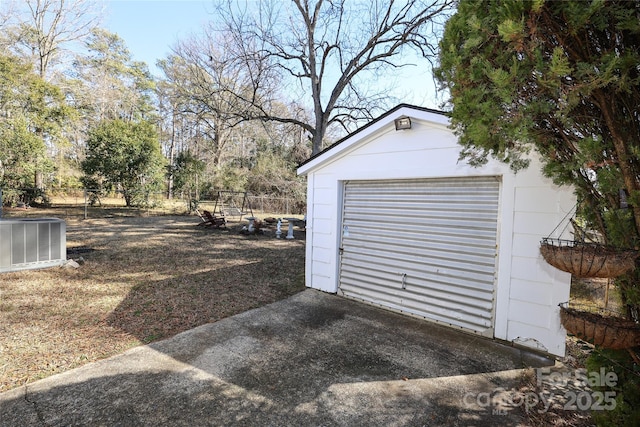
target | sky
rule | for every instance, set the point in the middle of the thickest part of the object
(150, 27)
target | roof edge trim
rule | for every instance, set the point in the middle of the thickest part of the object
(366, 126)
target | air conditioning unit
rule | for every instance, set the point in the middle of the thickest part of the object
(30, 243)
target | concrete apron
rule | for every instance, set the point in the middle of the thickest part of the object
(312, 359)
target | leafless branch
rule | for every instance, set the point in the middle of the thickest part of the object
(323, 51)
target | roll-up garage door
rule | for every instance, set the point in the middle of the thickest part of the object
(426, 247)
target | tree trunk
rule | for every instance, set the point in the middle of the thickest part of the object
(318, 134)
(622, 152)
(171, 157)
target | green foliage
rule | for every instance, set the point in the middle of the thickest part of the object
(274, 174)
(269, 175)
(125, 87)
(53, 131)
(124, 156)
(32, 112)
(560, 78)
(186, 171)
(524, 83)
(627, 388)
(228, 177)
(21, 152)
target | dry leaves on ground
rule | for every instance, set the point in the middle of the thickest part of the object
(143, 279)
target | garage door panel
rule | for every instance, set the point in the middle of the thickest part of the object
(436, 262)
(406, 208)
(462, 319)
(483, 201)
(466, 317)
(480, 220)
(455, 285)
(441, 189)
(422, 236)
(483, 207)
(432, 271)
(427, 247)
(358, 274)
(422, 241)
(470, 296)
(446, 231)
(450, 259)
(454, 234)
(451, 285)
(445, 254)
(376, 290)
(416, 302)
(450, 295)
(448, 308)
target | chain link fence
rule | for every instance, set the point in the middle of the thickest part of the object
(89, 203)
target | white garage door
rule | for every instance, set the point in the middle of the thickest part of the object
(427, 247)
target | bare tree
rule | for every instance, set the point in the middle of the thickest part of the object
(194, 81)
(333, 55)
(202, 112)
(48, 27)
(7, 14)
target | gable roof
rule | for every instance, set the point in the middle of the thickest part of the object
(400, 110)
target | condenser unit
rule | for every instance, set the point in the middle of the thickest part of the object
(29, 243)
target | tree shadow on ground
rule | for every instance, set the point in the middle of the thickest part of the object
(189, 397)
(313, 359)
(158, 309)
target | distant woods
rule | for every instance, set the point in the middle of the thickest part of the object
(236, 106)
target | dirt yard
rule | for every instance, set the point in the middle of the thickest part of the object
(142, 279)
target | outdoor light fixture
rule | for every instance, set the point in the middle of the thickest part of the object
(403, 123)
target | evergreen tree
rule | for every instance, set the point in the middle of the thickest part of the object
(125, 156)
(32, 114)
(561, 78)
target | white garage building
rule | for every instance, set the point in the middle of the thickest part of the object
(394, 218)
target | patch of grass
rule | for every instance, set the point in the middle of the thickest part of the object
(144, 279)
(596, 293)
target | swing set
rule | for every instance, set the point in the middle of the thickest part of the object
(227, 204)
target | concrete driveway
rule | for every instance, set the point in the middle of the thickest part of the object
(314, 359)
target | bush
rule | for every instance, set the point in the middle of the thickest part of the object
(627, 388)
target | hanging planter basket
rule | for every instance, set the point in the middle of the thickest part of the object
(605, 331)
(588, 259)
